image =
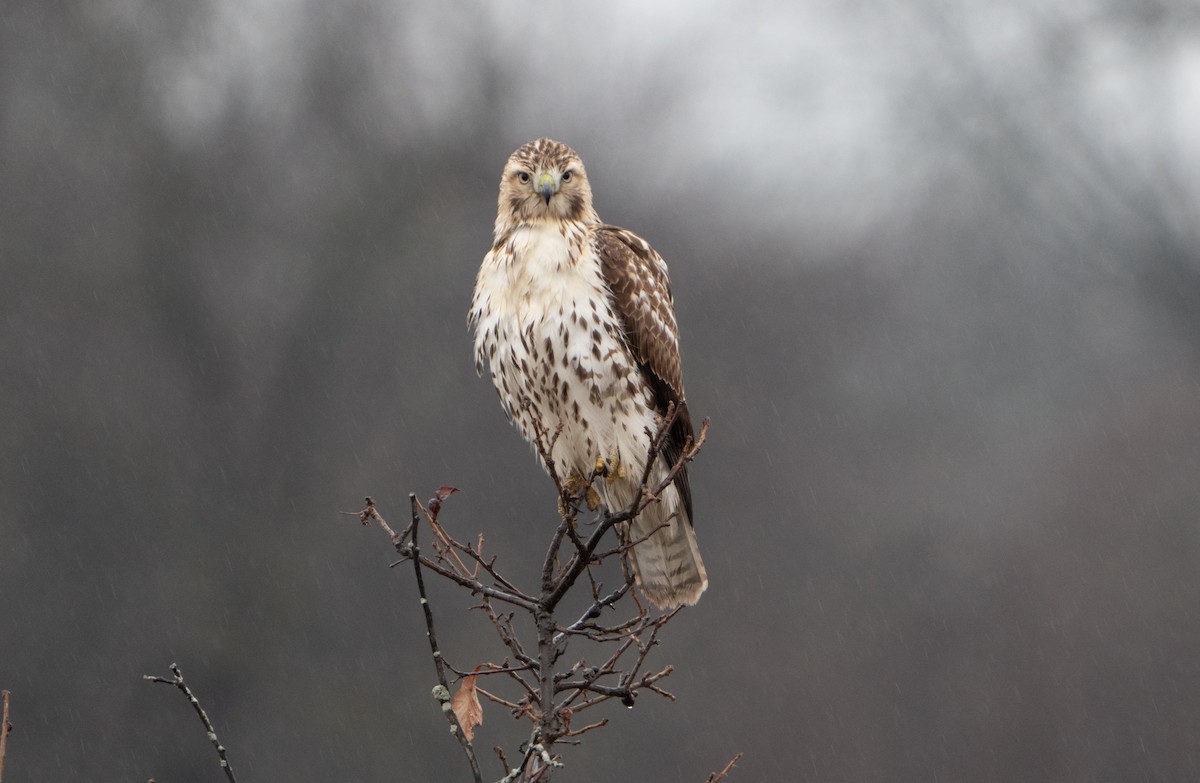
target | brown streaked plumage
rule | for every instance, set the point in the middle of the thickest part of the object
(577, 317)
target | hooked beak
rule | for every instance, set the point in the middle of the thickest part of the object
(547, 186)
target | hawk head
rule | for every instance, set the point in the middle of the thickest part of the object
(545, 180)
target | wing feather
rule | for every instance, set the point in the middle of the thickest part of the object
(637, 278)
(641, 293)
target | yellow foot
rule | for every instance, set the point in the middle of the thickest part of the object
(611, 468)
(578, 487)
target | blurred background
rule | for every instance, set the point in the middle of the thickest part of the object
(937, 268)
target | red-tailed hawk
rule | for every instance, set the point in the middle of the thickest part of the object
(576, 317)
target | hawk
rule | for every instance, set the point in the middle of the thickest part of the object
(576, 317)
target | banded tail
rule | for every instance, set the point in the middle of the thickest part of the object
(667, 565)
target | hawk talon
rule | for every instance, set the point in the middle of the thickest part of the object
(612, 469)
(574, 484)
(577, 487)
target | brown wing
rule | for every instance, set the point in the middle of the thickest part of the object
(637, 279)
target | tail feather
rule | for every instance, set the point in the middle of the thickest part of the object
(667, 565)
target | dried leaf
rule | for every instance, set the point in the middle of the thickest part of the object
(467, 708)
(435, 503)
(567, 713)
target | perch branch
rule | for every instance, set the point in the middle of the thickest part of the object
(581, 560)
(550, 698)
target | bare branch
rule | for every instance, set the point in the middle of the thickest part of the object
(442, 691)
(493, 669)
(595, 609)
(5, 728)
(584, 729)
(717, 777)
(177, 681)
(507, 634)
(503, 760)
(474, 585)
(516, 708)
(548, 693)
(402, 545)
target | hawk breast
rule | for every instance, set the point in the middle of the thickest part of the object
(548, 330)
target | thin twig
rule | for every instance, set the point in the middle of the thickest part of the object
(369, 512)
(499, 700)
(595, 609)
(476, 554)
(5, 728)
(659, 439)
(474, 585)
(177, 681)
(404, 548)
(503, 761)
(494, 669)
(583, 729)
(448, 544)
(442, 692)
(717, 777)
(504, 630)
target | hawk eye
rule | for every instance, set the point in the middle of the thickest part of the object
(523, 176)
(566, 176)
